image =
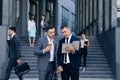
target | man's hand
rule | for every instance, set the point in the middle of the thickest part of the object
(48, 48)
(60, 69)
(18, 61)
(8, 37)
(85, 45)
(70, 49)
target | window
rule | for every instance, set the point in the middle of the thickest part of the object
(65, 16)
(1, 4)
(118, 8)
(73, 22)
(73, 1)
(118, 21)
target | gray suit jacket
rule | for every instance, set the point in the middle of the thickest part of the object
(43, 58)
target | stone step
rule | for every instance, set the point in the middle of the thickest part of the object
(97, 66)
(88, 56)
(33, 68)
(60, 79)
(89, 50)
(88, 61)
(96, 77)
(26, 41)
(87, 65)
(92, 44)
(30, 48)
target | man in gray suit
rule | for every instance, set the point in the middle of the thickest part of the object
(45, 50)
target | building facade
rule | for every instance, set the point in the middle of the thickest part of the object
(0, 12)
(66, 14)
(95, 17)
(118, 13)
(16, 13)
(99, 18)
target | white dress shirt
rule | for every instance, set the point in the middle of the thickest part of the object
(83, 42)
(12, 35)
(52, 50)
(68, 60)
(42, 23)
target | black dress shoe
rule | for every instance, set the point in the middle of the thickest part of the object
(20, 78)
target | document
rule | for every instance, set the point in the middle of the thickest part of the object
(74, 44)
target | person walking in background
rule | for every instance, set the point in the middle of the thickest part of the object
(84, 45)
(68, 63)
(14, 52)
(44, 24)
(31, 31)
(45, 49)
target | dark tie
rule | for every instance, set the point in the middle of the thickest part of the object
(66, 53)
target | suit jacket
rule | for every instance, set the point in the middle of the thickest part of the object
(43, 58)
(14, 47)
(75, 60)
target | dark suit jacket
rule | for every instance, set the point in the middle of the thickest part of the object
(43, 58)
(14, 47)
(75, 60)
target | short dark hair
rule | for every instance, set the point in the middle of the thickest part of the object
(49, 27)
(12, 28)
(31, 16)
(64, 26)
(44, 15)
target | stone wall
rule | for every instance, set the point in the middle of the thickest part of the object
(3, 49)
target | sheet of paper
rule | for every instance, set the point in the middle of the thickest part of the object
(74, 44)
(64, 46)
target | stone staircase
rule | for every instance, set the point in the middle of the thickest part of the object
(97, 65)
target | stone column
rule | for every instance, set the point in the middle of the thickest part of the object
(5, 12)
(3, 51)
(56, 16)
(14, 12)
(91, 14)
(78, 14)
(91, 17)
(83, 11)
(100, 16)
(107, 15)
(10, 13)
(117, 54)
(23, 17)
(95, 17)
(114, 13)
(87, 13)
(81, 15)
(42, 7)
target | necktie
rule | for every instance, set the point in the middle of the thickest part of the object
(66, 53)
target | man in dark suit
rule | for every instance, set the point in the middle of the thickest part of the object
(14, 52)
(68, 63)
(45, 50)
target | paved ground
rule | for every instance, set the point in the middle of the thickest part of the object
(60, 79)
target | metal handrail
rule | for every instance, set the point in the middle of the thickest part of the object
(17, 25)
(95, 21)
